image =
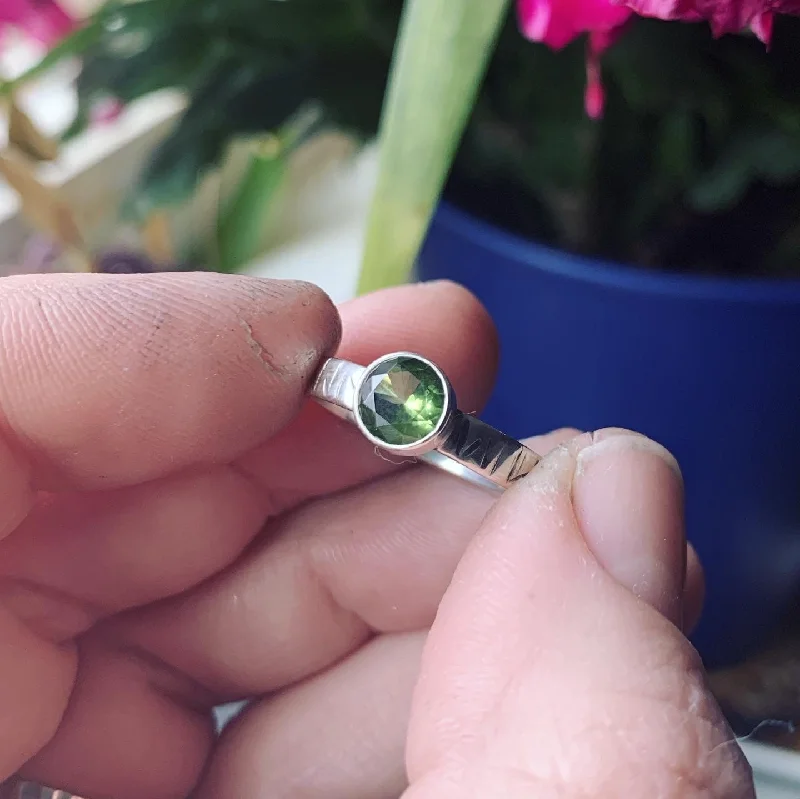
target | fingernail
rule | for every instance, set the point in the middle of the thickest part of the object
(611, 437)
(628, 500)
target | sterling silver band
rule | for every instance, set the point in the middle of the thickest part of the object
(460, 443)
(30, 790)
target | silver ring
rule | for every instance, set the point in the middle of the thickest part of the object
(404, 404)
(31, 790)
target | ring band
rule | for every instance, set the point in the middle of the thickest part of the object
(405, 405)
(31, 790)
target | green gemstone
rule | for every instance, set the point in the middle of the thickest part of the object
(402, 401)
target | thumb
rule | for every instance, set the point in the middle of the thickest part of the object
(555, 667)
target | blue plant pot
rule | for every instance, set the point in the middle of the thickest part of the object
(708, 366)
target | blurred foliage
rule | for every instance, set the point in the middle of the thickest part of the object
(247, 66)
(695, 164)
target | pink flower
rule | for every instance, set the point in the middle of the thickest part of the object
(558, 22)
(105, 111)
(42, 20)
(725, 16)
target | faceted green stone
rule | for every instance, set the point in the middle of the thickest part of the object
(402, 401)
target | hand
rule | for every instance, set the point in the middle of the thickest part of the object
(181, 530)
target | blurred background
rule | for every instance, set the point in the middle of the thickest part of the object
(637, 177)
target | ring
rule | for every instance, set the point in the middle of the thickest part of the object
(31, 790)
(404, 404)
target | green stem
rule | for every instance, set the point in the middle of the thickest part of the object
(441, 57)
(240, 225)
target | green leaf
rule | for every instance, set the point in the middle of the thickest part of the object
(766, 155)
(114, 22)
(442, 53)
(134, 51)
(246, 99)
(169, 61)
(198, 141)
(299, 23)
(677, 154)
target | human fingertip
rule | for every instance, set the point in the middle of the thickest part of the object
(628, 500)
(556, 470)
(313, 300)
(615, 440)
(694, 590)
(547, 442)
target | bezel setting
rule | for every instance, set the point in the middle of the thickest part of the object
(439, 433)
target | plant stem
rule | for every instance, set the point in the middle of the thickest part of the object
(441, 57)
(241, 223)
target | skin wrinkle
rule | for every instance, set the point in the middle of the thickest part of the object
(314, 565)
(124, 680)
(271, 503)
(689, 764)
(170, 682)
(47, 343)
(58, 615)
(681, 703)
(50, 613)
(57, 674)
(150, 344)
(18, 495)
(718, 763)
(640, 761)
(44, 318)
(13, 321)
(261, 352)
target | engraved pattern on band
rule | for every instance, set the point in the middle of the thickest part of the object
(488, 452)
(465, 446)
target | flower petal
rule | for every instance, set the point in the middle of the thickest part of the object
(558, 22)
(595, 96)
(105, 111)
(724, 16)
(43, 20)
(762, 26)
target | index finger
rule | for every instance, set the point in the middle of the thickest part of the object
(110, 380)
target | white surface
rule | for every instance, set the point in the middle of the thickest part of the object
(777, 771)
(323, 228)
(92, 173)
(138, 122)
